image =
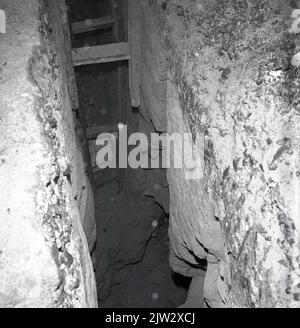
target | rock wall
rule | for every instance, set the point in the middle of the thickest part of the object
(45, 198)
(195, 232)
(234, 77)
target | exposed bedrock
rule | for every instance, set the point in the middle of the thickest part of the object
(234, 76)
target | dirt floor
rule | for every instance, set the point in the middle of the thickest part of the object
(133, 252)
(149, 283)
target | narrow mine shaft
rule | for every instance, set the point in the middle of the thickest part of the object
(149, 154)
(131, 252)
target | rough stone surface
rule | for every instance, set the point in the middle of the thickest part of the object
(234, 68)
(195, 233)
(44, 258)
(81, 187)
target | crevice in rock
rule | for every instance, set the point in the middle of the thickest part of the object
(131, 254)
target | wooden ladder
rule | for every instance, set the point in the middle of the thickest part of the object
(99, 54)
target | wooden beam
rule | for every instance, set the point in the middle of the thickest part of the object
(93, 132)
(92, 24)
(101, 54)
(134, 31)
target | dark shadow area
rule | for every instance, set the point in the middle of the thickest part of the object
(131, 257)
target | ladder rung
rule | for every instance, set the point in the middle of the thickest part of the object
(92, 24)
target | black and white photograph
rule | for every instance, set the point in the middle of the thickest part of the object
(149, 157)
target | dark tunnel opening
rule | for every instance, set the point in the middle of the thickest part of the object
(131, 255)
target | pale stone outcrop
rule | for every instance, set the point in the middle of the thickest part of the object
(44, 256)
